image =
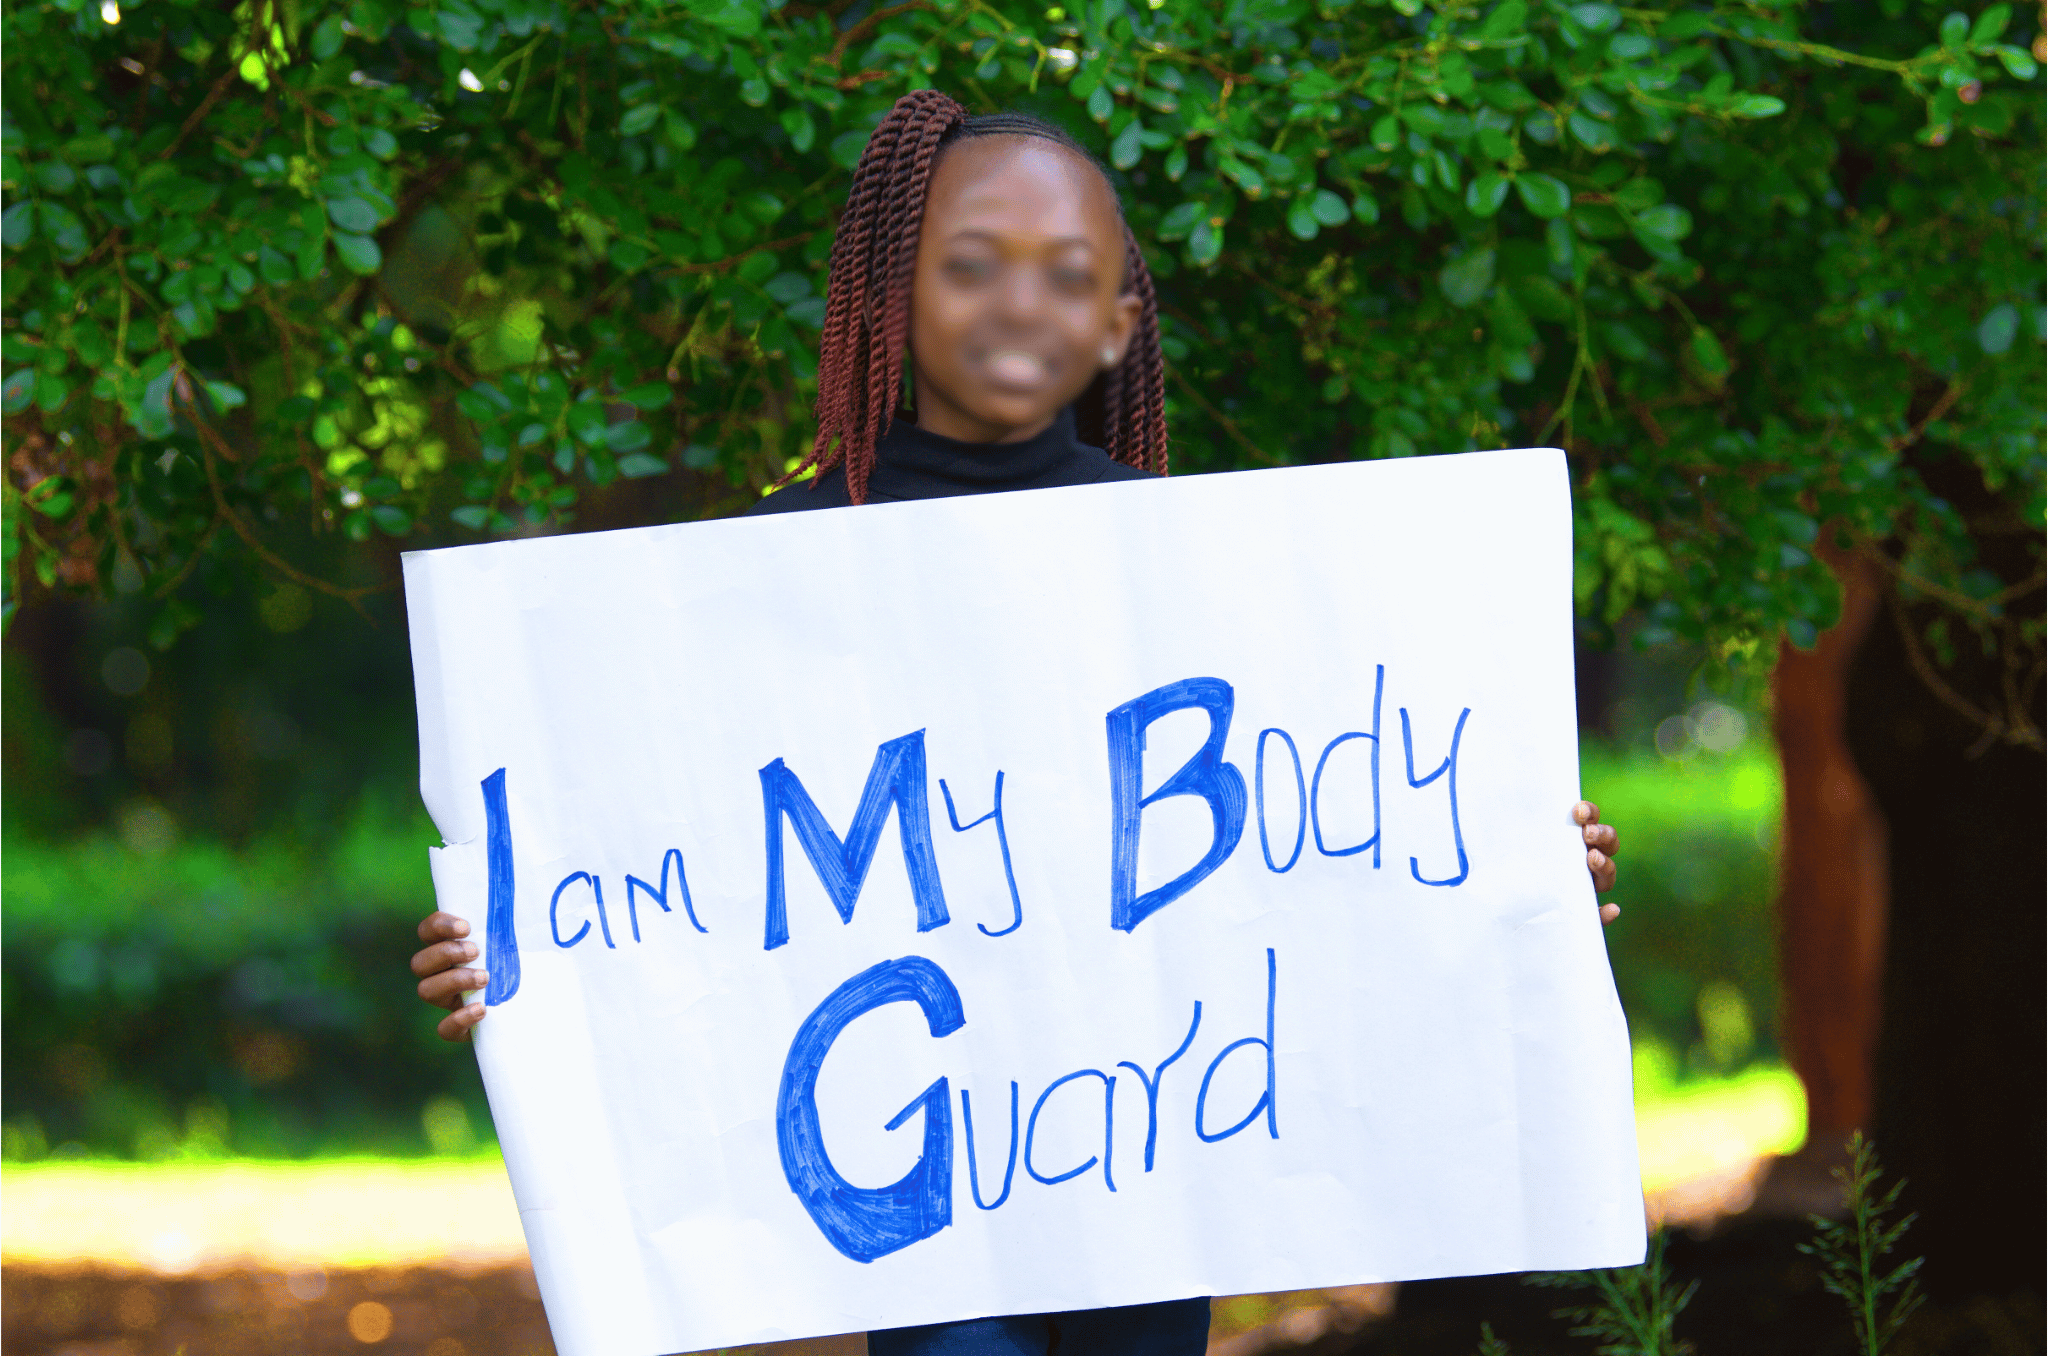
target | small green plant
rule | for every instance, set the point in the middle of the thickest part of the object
(1851, 1252)
(1637, 1306)
(1489, 1345)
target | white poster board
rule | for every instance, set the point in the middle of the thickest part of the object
(1032, 902)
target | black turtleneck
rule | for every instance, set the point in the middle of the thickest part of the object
(911, 463)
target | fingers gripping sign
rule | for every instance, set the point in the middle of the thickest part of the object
(1601, 843)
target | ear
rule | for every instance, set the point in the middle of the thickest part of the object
(1123, 324)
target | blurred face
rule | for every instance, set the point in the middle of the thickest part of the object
(1015, 308)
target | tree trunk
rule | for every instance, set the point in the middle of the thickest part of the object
(1831, 892)
(1959, 1096)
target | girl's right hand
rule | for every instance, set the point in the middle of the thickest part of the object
(444, 976)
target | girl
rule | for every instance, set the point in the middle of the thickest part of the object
(994, 250)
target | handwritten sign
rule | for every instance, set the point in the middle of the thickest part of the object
(1032, 902)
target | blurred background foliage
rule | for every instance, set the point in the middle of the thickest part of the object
(292, 285)
(295, 268)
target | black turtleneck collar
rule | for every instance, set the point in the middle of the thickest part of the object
(911, 463)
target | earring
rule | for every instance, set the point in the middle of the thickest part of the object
(1108, 356)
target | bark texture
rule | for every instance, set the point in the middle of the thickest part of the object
(1832, 875)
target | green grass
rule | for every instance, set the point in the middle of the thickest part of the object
(1693, 952)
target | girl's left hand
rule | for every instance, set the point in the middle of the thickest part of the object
(1601, 841)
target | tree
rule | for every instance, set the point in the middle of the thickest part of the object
(1766, 271)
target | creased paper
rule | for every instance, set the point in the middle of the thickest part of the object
(1031, 902)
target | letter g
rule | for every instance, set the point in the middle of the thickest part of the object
(869, 1222)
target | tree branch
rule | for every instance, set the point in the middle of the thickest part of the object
(860, 31)
(1189, 390)
(220, 87)
(212, 441)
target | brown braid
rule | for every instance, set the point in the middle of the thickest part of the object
(867, 302)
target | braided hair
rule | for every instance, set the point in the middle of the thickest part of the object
(867, 304)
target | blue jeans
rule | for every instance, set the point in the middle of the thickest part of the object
(1172, 1328)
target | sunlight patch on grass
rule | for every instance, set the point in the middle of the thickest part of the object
(356, 1212)
(184, 1217)
(1700, 1127)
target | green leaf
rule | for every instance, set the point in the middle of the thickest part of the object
(788, 287)
(1101, 104)
(1366, 207)
(1465, 279)
(1639, 194)
(1484, 195)
(762, 206)
(1594, 135)
(1301, 221)
(472, 516)
(19, 389)
(1386, 133)
(803, 133)
(273, 267)
(358, 253)
(1542, 195)
(1668, 220)
(2018, 63)
(1686, 24)
(152, 414)
(313, 252)
(630, 436)
(1999, 327)
(391, 519)
(586, 421)
(1990, 26)
(1507, 19)
(18, 225)
(1756, 106)
(1124, 151)
(226, 396)
(65, 230)
(741, 18)
(51, 392)
(327, 38)
(846, 149)
(1624, 342)
(90, 149)
(1176, 224)
(380, 143)
(479, 407)
(1510, 96)
(458, 30)
(1246, 178)
(1205, 242)
(649, 395)
(1329, 208)
(1707, 351)
(1425, 118)
(639, 119)
(636, 465)
(1595, 18)
(352, 214)
(1955, 30)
